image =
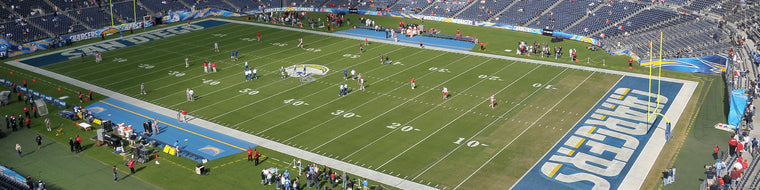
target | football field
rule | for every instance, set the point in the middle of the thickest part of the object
(415, 133)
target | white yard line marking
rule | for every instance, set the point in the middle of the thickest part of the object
(429, 110)
(389, 110)
(304, 131)
(120, 67)
(268, 97)
(460, 116)
(526, 129)
(244, 82)
(475, 135)
(311, 94)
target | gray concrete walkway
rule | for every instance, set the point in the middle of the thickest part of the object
(643, 164)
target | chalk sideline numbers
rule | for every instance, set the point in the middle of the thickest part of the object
(210, 82)
(352, 56)
(146, 66)
(176, 73)
(313, 50)
(495, 78)
(248, 39)
(249, 91)
(345, 114)
(472, 143)
(220, 35)
(404, 128)
(119, 60)
(539, 85)
(440, 70)
(279, 44)
(294, 102)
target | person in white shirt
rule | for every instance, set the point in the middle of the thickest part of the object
(187, 62)
(493, 102)
(216, 47)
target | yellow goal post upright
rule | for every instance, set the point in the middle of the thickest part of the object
(652, 113)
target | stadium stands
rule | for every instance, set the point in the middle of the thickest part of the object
(483, 10)
(375, 5)
(641, 19)
(202, 4)
(410, 6)
(445, 8)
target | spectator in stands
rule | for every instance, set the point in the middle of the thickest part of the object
(732, 146)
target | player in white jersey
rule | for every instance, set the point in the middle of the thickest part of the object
(300, 42)
(445, 92)
(353, 74)
(254, 73)
(216, 47)
(282, 72)
(493, 102)
(187, 62)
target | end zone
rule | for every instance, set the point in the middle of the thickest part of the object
(612, 146)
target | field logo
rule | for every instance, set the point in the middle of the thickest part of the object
(211, 150)
(306, 71)
(96, 110)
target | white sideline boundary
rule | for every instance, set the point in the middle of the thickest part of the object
(633, 180)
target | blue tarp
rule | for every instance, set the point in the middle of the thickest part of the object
(738, 105)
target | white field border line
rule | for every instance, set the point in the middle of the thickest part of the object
(428, 111)
(523, 132)
(404, 103)
(48, 82)
(243, 82)
(116, 53)
(503, 57)
(304, 131)
(230, 66)
(570, 130)
(468, 111)
(179, 63)
(48, 53)
(372, 100)
(481, 131)
(285, 105)
(280, 91)
(233, 64)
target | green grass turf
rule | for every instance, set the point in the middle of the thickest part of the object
(424, 152)
(366, 139)
(64, 170)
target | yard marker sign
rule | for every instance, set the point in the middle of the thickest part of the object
(599, 151)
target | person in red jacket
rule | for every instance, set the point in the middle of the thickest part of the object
(26, 111)
(28, 122)
(250, 154)
(89, 94)
(256, 156)
(732, 146)
(131, 165)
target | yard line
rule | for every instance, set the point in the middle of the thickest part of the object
(434, 108)
(141, 49)
(283, 122)
(526, 129)
(311, 94)
(476, 134)
(275, 94)
(465, 113)
(263, 86)
(355, 107)
(230, 66)
(225, 68)
(388, 111)
(124, 52)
